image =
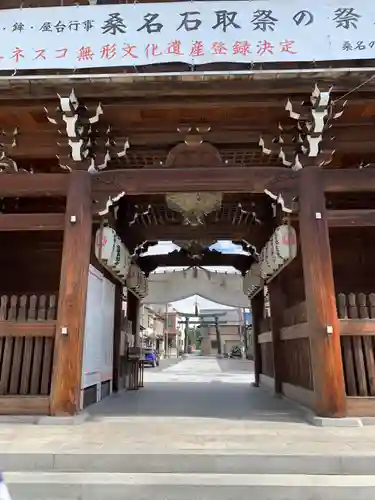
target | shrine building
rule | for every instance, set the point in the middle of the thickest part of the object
(123, 125)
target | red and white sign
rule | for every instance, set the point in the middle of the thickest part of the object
(134, 34)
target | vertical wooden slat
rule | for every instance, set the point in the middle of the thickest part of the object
(47, 366)
(341, 306)
(28, 350)
(352, 306)
(51, 311)
(48, 349)
(18, 349)
(359, 360)
(370, 363)
(7, 349)
(12, 313)
(6, 365)
(359, 364)
(37, 358)
(347, 349)
(371, 300)
(368, 350)
(325, 348)
(22, 310)
(1, 352)
(363, 311)
(42, 308)
(4, 308)
(68, 352)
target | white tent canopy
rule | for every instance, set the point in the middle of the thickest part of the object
(171, 286)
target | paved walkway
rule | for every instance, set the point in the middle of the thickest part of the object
(200, 387)
(199, 405)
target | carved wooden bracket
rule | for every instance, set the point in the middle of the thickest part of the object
(302, 144)
(80, 132)
(284, 190)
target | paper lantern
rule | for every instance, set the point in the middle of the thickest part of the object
(105, 241)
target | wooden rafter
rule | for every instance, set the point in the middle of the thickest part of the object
(178, 232)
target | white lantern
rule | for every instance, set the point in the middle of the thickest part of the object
(105, 241)
(120, 259)
(253, 281)
(115, 257)
(132, 280)
(286, 242)
(143, 285)
(267, 267)
(125, 264)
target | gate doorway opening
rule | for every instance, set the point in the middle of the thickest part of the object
(185, 159)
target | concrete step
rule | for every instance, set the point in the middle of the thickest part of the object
(99, 486)
(180, 463)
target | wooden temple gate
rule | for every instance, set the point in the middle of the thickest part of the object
(123, 147)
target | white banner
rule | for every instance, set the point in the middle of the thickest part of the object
(191, 32)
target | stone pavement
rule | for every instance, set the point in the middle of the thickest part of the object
(197, 431)
(199, 405)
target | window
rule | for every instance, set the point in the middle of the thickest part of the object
(213, 344)
(169, 323)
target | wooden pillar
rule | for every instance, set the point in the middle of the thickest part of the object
(67, 365)
(322, 316)
(277, 303)
(257, 307)
(117, 339)
(134, 314)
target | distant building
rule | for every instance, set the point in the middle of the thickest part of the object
(152, 328)
(231, 326)
(174, 333)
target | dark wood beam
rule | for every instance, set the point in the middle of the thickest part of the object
(41, 92)
(32, 222)
(43, 143)
(351, 218)
(227, 178)
(324, 327)
(242, 142)
(182, 97)
(353, 180)
(212, 232)
(19, 185)
(182, 259)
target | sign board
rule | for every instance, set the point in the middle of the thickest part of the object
(194, 33)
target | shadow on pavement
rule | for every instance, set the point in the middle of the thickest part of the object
(221, 399)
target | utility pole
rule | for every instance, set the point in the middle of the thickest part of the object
(166, 332)
(245, 331)
(218, 336)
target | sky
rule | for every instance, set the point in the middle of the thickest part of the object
(188, 305)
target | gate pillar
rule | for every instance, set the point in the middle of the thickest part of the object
(257, 306)
(67, 364)
(277, 304)
(134, 314)
(324, 328)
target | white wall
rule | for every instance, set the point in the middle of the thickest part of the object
(99, 330)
